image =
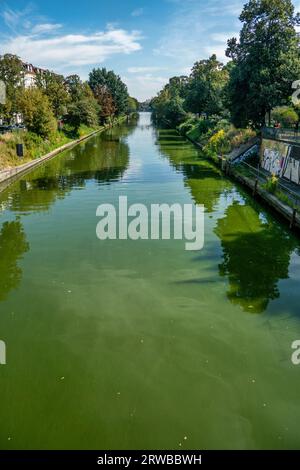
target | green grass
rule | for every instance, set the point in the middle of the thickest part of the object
(34, 145)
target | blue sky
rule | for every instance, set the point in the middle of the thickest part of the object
(145, 42)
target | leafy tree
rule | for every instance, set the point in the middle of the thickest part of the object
(37, 113)
(205, 88)
(83, 111)
(114, 85)
(132, 105)
(12, 74)
(266, 60)
(168, 104)
(74, 87)
(83, 107)
(285, 115)
(168, 109)
(105, 102)
(54, 87)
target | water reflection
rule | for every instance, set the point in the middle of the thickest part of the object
(102, 159)
(13, 245)
(256, 255)
(204, 180)
(256, 252)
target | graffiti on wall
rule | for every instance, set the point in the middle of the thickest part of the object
(273, 161)
(291, 169)
(281, 159)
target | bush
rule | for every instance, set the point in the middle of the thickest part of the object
(187, 125)
(218, 144)
(286, 116)
(35, 146)
(271, 184)
(223, 142)
(200, 130)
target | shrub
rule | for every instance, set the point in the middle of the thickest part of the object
(187, 125)
(217, 144)
(271, 184)
(285, 115)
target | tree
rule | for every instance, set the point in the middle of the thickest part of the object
(132, 105)
(285, 115)
(12, 74)
(74, 87)
(84, 112)
(114, 85)
(205, 88)
(37, 113)
(83, 107)
(266, 60)
(54, 87)
(168, 107)
(105, 102)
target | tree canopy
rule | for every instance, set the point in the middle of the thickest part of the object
(266, 60)
(112, 84)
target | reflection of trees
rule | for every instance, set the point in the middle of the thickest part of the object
(203, 179)
(256, 256)
(103, 158)
(13, 245)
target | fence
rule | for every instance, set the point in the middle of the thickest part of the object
(288, 135)
(261, 176)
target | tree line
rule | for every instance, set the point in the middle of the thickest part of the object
(257, 80)
(70, 100)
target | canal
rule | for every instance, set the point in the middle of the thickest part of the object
(123, 344)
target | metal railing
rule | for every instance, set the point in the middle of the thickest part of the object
(262, 176)
(288, 135)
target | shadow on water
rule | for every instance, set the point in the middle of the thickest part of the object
(256, 255)
(256, 250)
(205, 182)
(13, 245)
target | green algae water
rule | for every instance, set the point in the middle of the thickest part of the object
(123, 344)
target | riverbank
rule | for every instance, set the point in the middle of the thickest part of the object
(15, 170)
(282, 205)
(34, 146)
(258, 189)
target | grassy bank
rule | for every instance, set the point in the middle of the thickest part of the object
(34, 145)
(215, 137)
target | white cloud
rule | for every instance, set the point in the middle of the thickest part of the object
(145, 69)
(199, 28)
(45, 28)
(220, 8)
(145, 86)
(223, 37)
(137, 12)
(13, 18)
(61, 52)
